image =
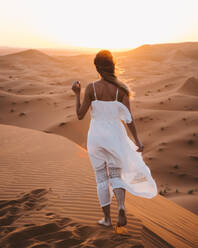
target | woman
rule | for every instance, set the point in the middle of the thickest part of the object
(117, 161)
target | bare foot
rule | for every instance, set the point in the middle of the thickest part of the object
(105, 223)
(122, 220)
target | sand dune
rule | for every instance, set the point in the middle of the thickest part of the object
(35, 93)
(48, 197)
(53, 231)
(162, 52)
(4, 50)
(43, 186)
(190, 87)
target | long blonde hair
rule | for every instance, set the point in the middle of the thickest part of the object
(105, 65)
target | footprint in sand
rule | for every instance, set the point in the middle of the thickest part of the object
(51, 215)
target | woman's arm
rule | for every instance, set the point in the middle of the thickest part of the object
(81, 110)
(131, 125)
(132, 129)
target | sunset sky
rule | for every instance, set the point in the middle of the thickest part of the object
(111, 24)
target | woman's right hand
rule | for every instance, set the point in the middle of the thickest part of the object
(140, 145)
(76, 87)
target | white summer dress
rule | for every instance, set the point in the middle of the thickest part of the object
(108, 142)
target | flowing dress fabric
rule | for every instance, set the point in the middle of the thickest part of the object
(108, 142)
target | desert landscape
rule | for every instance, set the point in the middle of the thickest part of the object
(47, 185)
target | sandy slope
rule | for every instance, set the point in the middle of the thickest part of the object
(48, 194)
(48, 199)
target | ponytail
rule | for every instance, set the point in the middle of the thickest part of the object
(105, 65)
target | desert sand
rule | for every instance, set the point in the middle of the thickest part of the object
(48, 192)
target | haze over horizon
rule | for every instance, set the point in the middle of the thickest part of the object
(119, 25)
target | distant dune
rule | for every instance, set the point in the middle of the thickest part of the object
(165, 51)
(35, 93)
(9, 50)
(190, 87)
(27, 59)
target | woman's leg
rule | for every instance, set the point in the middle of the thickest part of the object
(120, 196)
(107, 214)
(103, 191)
(115, 177)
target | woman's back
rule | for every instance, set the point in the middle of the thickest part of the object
(107, 91)
(105, 108)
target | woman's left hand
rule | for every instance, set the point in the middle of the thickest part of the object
(76, 87)
(140, 145)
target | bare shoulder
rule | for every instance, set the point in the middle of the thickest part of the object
(89, 90)
(89, 86)
(122, 94)
(96, 82)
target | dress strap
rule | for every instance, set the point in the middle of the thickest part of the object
(117, 94)
(94, 90)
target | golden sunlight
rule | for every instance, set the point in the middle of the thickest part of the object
(97, 24)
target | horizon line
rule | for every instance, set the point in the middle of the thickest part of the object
(92, 48)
